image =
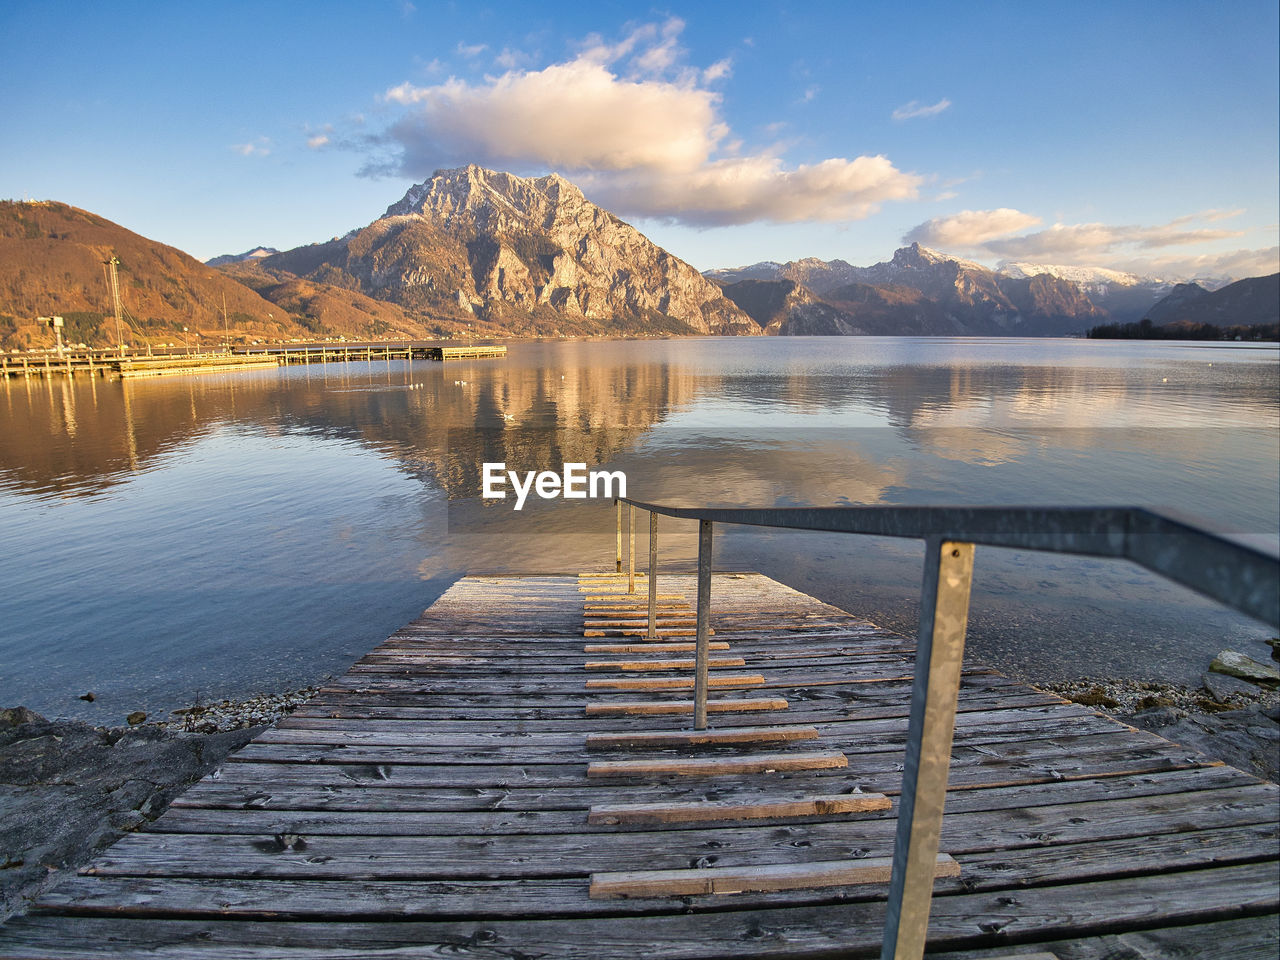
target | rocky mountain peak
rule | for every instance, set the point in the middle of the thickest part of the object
(917, 257)
(521, 253)
(473, 191)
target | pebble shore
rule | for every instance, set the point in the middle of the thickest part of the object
(69, 789)
(225, 715)
(1128, 698)
(1224, 718)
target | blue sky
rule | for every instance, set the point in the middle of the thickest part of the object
(1141, 136)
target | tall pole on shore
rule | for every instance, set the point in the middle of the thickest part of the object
(226, 329)
(111, 265)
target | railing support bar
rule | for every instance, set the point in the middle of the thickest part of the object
(944, 614)
(618, 561)
(653, 576)
(631, 548)
(704, 616)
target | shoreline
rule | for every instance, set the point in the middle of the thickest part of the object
(70, 789)
(1238, 726)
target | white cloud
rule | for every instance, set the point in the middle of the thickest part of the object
(260, 147)
(510, 59)
(318, 141)
(969, 229)
(575, 115)
(472, 50)
(915, 109)
(740, 190)
(718, 70)
(1235, 263)
(1134, 248)
(653, 48)
(1086, 242)
(639, 130)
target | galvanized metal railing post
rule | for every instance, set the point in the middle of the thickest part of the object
(631, 548)
(944, 614)
(704, 616)
(618, 562)
(653, 576)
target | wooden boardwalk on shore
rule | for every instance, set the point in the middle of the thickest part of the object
(463, 792)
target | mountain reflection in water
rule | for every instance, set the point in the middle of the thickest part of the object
(230, 533)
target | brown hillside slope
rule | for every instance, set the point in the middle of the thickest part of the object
(337, 310)
(51, 262)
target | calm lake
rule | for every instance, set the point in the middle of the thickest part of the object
(212, 536)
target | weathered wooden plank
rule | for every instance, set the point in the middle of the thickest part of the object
(650, 739)
(394, 707)
(715, 663)
(390, 767)
(685, 706)
(636, 632)
(630, 612)
(849, 929)
(885, 750)
(610, 593)
(733, 880)
(391, 899)
(718, 766)
(1031, 721)
(309, 789)
(617, 814)
(564, 746)
(675, 683)
(635, 606)
(1251, 938)
(663, 622)
(651, 647)
(862, 682)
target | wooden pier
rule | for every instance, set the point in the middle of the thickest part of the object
(100, 363)
(204, 363)
(369, 352)
(106, 363)
(470, 789)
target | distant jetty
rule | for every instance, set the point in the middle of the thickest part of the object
(109, 363)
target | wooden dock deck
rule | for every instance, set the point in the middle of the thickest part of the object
(463, 792)
(105, 363)
(108, 363)
(369, 352)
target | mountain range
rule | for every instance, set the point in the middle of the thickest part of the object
(493, 254)
(923, 292)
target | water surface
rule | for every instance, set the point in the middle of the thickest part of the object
(174, 539)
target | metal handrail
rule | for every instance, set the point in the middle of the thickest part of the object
(1232, 573)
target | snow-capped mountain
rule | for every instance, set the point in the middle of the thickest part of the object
(918, 292)
(257, 253)
(1093, 276)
